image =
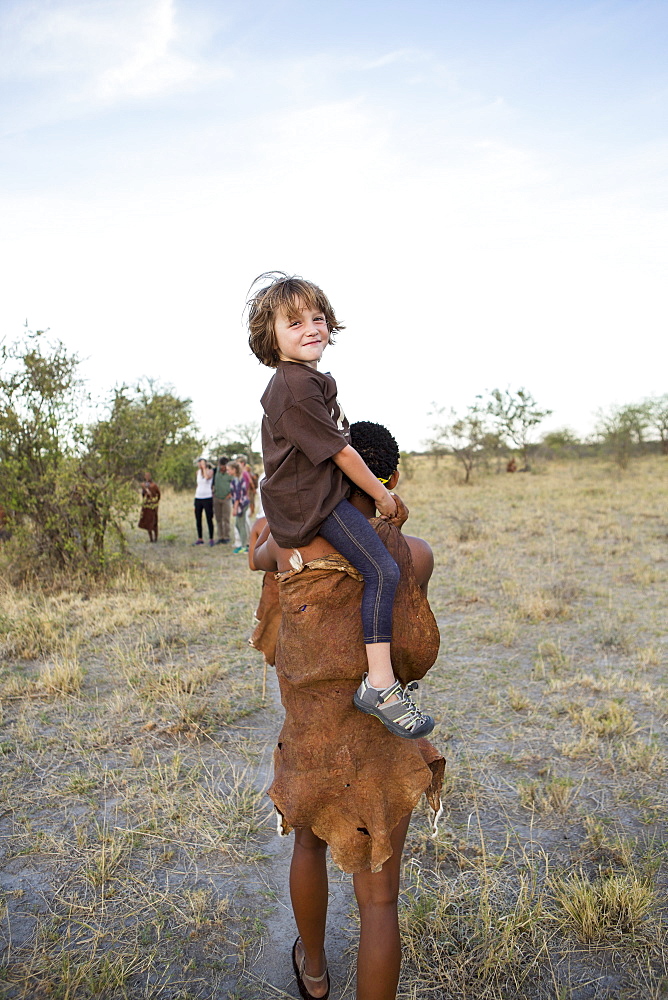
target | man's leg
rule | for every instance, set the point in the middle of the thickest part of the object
(227, 514)
(379, 955)
(308, 892)
(218, 514)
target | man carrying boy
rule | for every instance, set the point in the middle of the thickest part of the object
(309, 464)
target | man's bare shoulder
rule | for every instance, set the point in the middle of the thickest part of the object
(423, 559)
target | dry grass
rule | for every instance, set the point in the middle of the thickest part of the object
(135, 744)
(605, 909)
(131, 808)
(552, 879)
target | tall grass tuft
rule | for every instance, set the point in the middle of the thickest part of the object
(604, 909)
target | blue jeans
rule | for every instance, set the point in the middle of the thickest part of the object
(350, 533)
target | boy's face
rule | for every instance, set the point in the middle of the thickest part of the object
(301, 337)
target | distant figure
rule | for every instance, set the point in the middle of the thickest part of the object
(512, 465)
(148, 519)
(251, 481)
(204, 499)
(240, 503)
(222, 500)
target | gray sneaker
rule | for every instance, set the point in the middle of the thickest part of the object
(402, 717)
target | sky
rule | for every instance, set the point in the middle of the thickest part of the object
(479, 187)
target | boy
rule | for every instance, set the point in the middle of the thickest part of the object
(309, 464)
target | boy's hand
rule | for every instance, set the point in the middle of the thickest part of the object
(386, 506)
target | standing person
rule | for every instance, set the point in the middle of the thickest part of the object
(250, 479)
(340, 780)
(222, 501)
(309, 465)
(204, 499)
(239, 492)
(148, 519)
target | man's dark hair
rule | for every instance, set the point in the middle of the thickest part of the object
(376, 446)
(223, 460)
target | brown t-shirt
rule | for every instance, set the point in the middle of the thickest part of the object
(302, 427)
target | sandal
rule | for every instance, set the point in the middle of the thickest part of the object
(301, 976)
(402, 717)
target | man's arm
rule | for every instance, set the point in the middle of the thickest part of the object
(262, 547)
(423, 561)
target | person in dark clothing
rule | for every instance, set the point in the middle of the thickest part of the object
(148, 519)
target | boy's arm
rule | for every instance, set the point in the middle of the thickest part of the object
(355, 468)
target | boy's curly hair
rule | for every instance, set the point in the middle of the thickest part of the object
(283, 294)
(377, 447)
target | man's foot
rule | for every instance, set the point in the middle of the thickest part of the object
(394, 708)
(305, 983)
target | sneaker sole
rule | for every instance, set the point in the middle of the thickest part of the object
(389, 724)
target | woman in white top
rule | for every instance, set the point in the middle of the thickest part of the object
(204, 499)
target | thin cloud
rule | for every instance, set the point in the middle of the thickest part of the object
(150, 66)
(400, 55)
(101, 52)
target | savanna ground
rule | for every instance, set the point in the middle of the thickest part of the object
(137, 847)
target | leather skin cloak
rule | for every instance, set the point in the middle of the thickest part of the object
(337, 770)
